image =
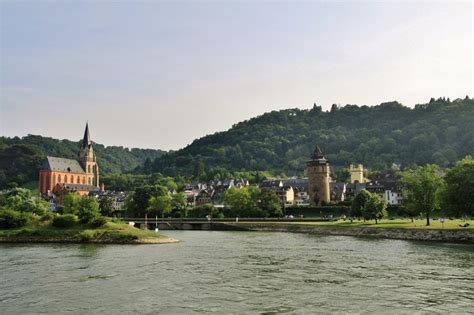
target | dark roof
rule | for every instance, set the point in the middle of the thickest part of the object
(317, 153)
(86, 141)
(56, 164)
(78, 187)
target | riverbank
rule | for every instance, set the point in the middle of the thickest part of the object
(390, 230)
(109, 233)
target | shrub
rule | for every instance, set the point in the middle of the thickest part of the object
(88, 209)
(48, 216)
(65, 221)
(98, 221)
(12, 219)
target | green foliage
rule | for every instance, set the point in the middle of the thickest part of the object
(269, 203)
(98, 222)
(70, 204)
(65, 221)
(359, 203)
(12, 219)
(440, 132)
(47, 216)
(205, 210)
(160, 205)
(30, 151)
(178, 204)
(420, 189)
(375, 208)
(88, 209)
(20, 199)
(244, 202)
(139, 203)
(457, 197)
(106, 206)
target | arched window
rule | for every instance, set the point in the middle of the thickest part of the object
(90, 183)
(54, 180)
(72, 179)
(89, 169)
(65, 179)
(84, 180)
(59, 178)
(78, 180)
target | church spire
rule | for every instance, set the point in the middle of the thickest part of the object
(86, 141)
(317, 153)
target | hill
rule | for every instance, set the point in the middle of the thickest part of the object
(441, 132)
(21, 158)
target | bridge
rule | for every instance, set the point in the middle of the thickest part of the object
(212, 223)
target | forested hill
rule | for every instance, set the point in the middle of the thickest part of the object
(21, 158)
(440, 132)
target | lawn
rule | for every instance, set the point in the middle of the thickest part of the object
(399, 224)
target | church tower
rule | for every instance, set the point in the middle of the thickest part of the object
(88, 160)
(318, 178)
(357, 173)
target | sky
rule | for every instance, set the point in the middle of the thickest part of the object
(157, 74)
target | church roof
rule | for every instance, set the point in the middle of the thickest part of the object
(317, 153)
(86, 141)
(56, 164)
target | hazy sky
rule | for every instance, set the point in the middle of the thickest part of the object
(160, 74)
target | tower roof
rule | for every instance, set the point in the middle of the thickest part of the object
(86, 141)
(317, 153)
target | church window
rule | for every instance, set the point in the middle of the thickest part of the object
(65, 179)
(59, 178)
(90, 183)
(72, 179)
(88, 169)
(78, 180)
(83, 179)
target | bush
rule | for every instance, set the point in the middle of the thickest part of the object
(48, 216)
(98, 222)
(12, 219)
(65, 221)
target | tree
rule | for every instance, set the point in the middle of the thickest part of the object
(269, 203)
(240, 202)
(87, 209)
(457, 197)
(420, 189)
(359, 203)
(161, 205)
(375, 208)
(106, 206)
(178, 203)
(70, 204)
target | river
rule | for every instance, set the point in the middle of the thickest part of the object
(238, 272)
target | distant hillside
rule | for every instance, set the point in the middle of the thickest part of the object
(20, 158)
(440, 132)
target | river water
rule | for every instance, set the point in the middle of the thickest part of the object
(239, 272)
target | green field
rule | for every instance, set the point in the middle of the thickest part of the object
(397, 224)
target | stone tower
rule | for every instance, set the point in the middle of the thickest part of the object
(357, 173)
(88, 160)
(318, 178)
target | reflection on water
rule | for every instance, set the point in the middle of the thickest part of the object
(235, 272)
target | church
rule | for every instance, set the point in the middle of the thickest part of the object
(81, 176)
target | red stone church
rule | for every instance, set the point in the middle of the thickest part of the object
(59, 175)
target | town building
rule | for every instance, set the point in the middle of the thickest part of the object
(357, 173)
(81, 176)
(318, 176)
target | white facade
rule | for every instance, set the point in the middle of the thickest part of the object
(393, 198)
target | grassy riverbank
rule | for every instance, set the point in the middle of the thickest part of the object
(401, 224)
(394, 229)
(110, 232)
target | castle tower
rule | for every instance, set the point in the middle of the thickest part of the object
(318, 178)
(88, 160)
(357, 173)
